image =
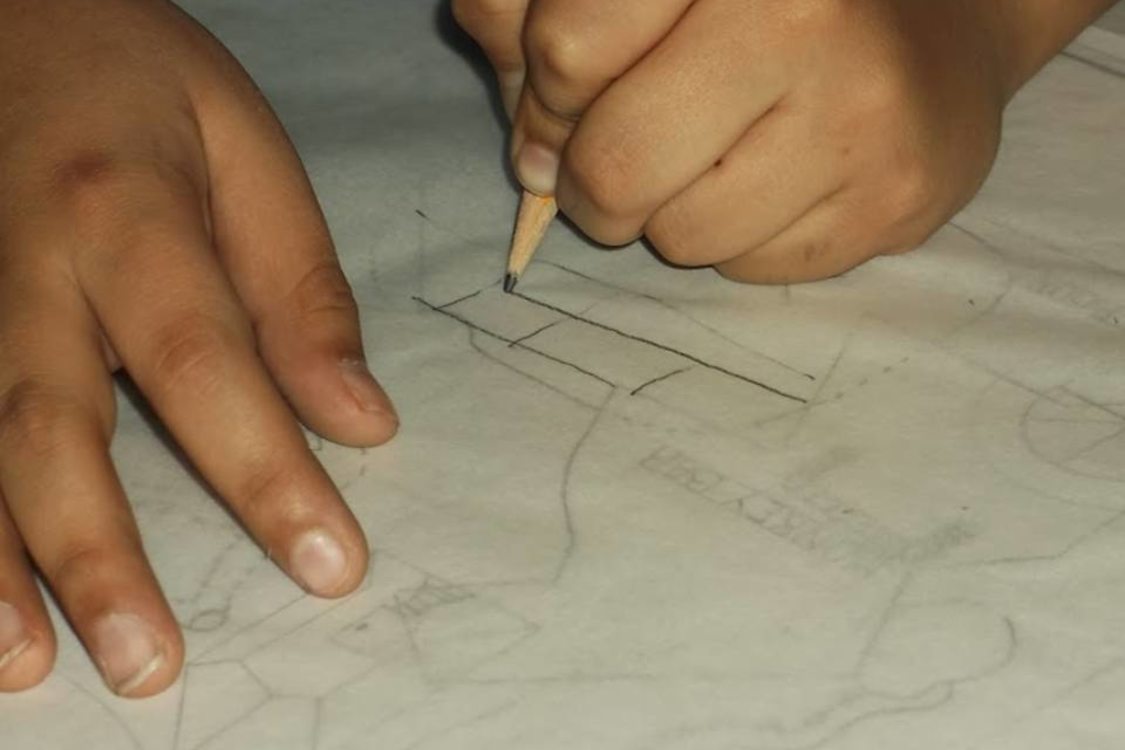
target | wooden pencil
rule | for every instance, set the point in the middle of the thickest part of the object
(535, 217)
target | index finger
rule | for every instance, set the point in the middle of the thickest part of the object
(575, 50)
(184, 338)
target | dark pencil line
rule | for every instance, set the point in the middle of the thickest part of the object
(421, 213)
(676, 310)
(535, 333)
(512, 368)
(509, 341)
(662, 347)
(545, 355)
(459, 300)
(660, 379)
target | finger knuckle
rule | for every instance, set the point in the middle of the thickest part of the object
(604, 179)
(76, 563)
(260, 492)
(882, 97)
(604, 189)
(675, 237)
(322, 292)
(91, 182)
(95, 189)
(909, 192)
(561, 61)
(37, 418)
(189, 354)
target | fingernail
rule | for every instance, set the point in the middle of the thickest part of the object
(14, 639)
(538, 168)
(364, 388)
(126, 651)
(319, 562)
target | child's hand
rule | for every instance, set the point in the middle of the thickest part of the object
(779, 140)
(154, 216)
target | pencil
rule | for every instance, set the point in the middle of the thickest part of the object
(535, 216)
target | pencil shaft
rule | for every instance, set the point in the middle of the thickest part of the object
(535, 217)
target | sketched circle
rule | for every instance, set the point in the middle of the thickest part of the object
(1077, 435)
(208, 620)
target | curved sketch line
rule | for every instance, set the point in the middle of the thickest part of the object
(564, 490)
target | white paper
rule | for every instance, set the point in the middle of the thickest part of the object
(645, 508)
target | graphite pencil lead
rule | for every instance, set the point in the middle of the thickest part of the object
(510, 282)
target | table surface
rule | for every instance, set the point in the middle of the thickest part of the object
(639, 508)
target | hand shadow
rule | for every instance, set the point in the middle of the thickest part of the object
(461, 43)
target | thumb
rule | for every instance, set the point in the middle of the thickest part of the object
(576, 50)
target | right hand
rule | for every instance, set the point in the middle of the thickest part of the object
(154, 216)
(779, 141)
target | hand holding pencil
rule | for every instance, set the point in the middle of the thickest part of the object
(777, 141)
(534, 219)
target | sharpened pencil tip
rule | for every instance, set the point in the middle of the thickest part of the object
(510, 282)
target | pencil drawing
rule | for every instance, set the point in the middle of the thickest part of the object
(635, 508)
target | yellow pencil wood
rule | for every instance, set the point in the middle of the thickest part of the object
(535, 217)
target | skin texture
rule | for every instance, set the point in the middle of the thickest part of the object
(154, 217)
(779, 141)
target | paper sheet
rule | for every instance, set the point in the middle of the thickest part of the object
(644, 508)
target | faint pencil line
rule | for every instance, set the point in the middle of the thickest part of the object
(538, 381)
(180, 705)
(660, 379)
(535, 333)
(1059, 697)
(1093, 64)
(1087, 449)
(1107, 409)
(459, 300)
(1066, 550)
(883, 620)
(201, 658)
(446, 731)
(114, 717)
(232, 723)
(814, 400)
(564, 490)
(601, 282)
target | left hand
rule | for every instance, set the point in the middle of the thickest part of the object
(154, 217)
(777, 140)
